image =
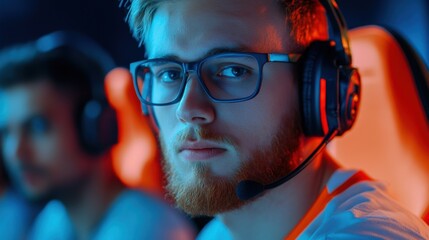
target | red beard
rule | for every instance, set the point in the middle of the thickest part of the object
(211, 195)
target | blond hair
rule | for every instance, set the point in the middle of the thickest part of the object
(306, 19)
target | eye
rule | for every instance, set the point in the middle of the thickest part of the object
(38, 125)
(170, 76)
(232, 72)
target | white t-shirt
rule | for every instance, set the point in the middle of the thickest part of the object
(363, 211)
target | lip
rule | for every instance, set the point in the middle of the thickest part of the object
(30, 179)
(31, 175)
(200, 151)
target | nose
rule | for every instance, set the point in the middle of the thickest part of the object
(195, 107)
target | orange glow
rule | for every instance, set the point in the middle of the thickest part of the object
(390, 137)
(135, 157)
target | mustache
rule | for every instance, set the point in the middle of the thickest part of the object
(201, 133)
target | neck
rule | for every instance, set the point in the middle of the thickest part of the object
(88, 206)
(273, 215)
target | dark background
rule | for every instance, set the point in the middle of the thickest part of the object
(23, 20)
(103, 20)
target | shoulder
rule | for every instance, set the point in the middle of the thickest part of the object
(52, 223)
(142, 216)
(364, 211)
(214, 230)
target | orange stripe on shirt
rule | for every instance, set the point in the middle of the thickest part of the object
(322, 200)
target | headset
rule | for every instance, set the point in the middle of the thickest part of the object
(95, 119)
(330, 85)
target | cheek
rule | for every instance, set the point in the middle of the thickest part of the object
(279, 94)
(253, 135)
(63, 160)
(52, 156)
(259, 119)
(59, 149)
(253, 124)
(166, 120)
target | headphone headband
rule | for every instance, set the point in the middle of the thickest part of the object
(84, 45)
(78, 42)
(337, 31)
(96, 120)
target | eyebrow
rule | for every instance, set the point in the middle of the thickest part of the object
(208, 54)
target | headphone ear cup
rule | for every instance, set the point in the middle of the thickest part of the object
(330, 95)
(99, 127)
(317, 66)
(350, 89)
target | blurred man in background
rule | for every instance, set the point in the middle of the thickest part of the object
(57, 129)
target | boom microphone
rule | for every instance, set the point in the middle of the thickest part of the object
(248, 189)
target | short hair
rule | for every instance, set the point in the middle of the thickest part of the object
(70, 71)
(306, 18)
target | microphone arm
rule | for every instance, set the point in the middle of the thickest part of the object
(248, 189)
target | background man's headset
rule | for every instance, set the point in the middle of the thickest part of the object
(96, 120)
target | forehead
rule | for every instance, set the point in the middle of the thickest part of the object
(19, 102)
(190, 28)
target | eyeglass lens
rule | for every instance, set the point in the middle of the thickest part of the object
(226, 77)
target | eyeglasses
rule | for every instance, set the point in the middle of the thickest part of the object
(225, 77)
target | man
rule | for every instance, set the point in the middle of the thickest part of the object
(57, 131)
(230, 121)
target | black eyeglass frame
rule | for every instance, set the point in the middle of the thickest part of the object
(195, 66)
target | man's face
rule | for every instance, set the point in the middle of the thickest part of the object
(209, 147)
(40, 145)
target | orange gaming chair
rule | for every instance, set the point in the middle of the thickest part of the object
(390, 139)
(136, 156)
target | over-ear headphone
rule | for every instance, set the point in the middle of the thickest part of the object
(96, 120)
(330, 86)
